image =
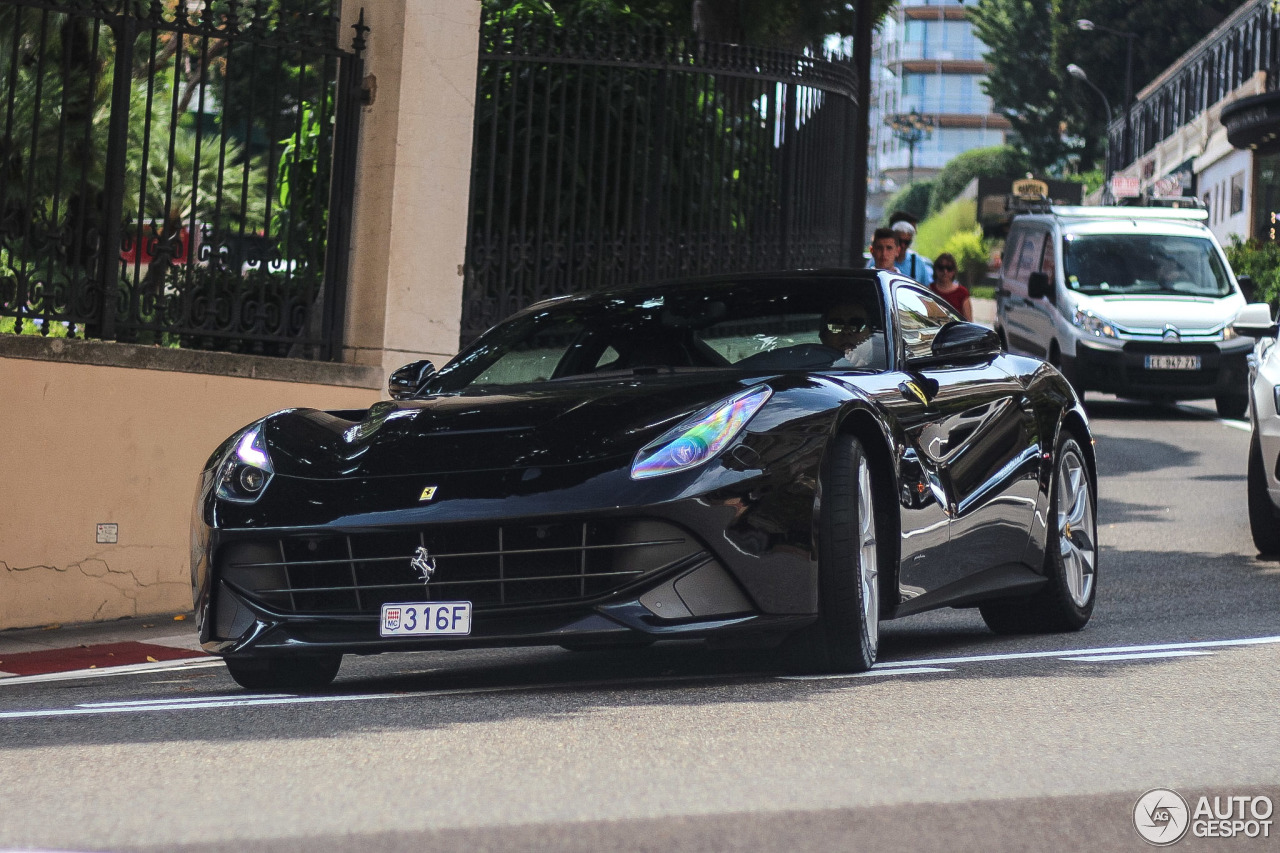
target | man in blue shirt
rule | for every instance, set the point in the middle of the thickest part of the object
(909, 262)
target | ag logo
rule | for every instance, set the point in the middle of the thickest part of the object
(1161, 817)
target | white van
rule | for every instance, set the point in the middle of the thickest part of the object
(1132, 301)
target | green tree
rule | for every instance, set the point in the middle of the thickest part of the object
(999, 161)
(1057, 120)
(912, 199)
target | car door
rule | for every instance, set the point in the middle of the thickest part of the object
(973, 436)
(1020, 323)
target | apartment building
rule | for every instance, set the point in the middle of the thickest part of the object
(927, 60)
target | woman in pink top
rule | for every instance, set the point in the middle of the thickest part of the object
(946, 286)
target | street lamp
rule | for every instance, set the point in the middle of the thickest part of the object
(910, 128)
(1077, 72)
(1089, 26)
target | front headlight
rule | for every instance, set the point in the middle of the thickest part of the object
(699, 438)
(1093, 324)
(245, 472)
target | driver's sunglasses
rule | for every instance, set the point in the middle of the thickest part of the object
(945, 268)
(848, 327)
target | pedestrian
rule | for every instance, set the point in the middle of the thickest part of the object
(884, 249)
(909, 262)
(945, 285)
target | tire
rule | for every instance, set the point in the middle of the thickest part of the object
(303, 672)
(1066, 602)
(1234, 406)
(1264, 519)
(847, 634)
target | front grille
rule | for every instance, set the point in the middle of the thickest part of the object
(492, 566)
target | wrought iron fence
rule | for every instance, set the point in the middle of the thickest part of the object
(605, 156)
(177, 172)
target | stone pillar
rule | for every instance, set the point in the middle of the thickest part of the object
(409, 229)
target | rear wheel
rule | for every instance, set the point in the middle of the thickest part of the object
(1065, 603)
(1234, 406)
(848, 631)
(1264, 520)
(304, 672)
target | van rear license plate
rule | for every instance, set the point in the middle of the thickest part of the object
(418, 618)
(1173, 362)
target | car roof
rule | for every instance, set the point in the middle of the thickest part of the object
(1123, 220)
(666, 285)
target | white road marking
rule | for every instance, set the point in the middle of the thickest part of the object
(1203, 644)
(1227, 422)
(873, 673)
(887, 668)
(1176, 653)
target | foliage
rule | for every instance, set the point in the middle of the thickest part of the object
(913, 199)
(1259, 259)
(1057, 120)
(955, 229)
(933, 233)
(971, 254)
(999, 161)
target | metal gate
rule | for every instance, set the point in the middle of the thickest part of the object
(615, 155)
(177, 172)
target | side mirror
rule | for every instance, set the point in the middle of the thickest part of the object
(961, 342)
(1039, 286)
(1254, 320)
(404, 382)
(1247, 287)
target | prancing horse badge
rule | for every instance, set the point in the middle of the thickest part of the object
(423, 563)
(428, 493)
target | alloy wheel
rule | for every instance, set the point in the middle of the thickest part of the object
(869, 570)
(1077, 526)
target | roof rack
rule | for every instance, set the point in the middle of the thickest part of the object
(1188, 213)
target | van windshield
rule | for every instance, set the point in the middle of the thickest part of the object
(1143, 263)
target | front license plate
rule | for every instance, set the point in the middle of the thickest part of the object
(414, 619)
(1173, 362)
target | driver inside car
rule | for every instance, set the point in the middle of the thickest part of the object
(849, 328)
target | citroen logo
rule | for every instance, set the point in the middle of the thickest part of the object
(1171, 333)
(423, 563)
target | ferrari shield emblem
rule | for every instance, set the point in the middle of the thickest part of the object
(428, 493)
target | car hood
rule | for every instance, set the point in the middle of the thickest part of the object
(1187, 313)
(549, 425)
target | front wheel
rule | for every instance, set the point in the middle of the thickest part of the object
(1233, 406)
(1264, 520)
(1065, 602)
(309, 672)
(847, 635)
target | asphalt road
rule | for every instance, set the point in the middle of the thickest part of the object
(960, 740)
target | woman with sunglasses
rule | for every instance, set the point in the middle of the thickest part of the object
(945, 285)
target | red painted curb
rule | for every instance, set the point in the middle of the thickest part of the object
(91, 657)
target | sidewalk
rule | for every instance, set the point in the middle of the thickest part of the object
(98, 645)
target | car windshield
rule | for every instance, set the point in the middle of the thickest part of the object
(760, 325)
(1144, 263)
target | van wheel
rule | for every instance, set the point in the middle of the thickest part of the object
(1234, 406)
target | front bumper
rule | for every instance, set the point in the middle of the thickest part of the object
(1122, 370)
(744, 565)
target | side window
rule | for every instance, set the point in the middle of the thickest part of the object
(920, 318)
(1009, 255)
(1029, 254)
(1048, 263)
